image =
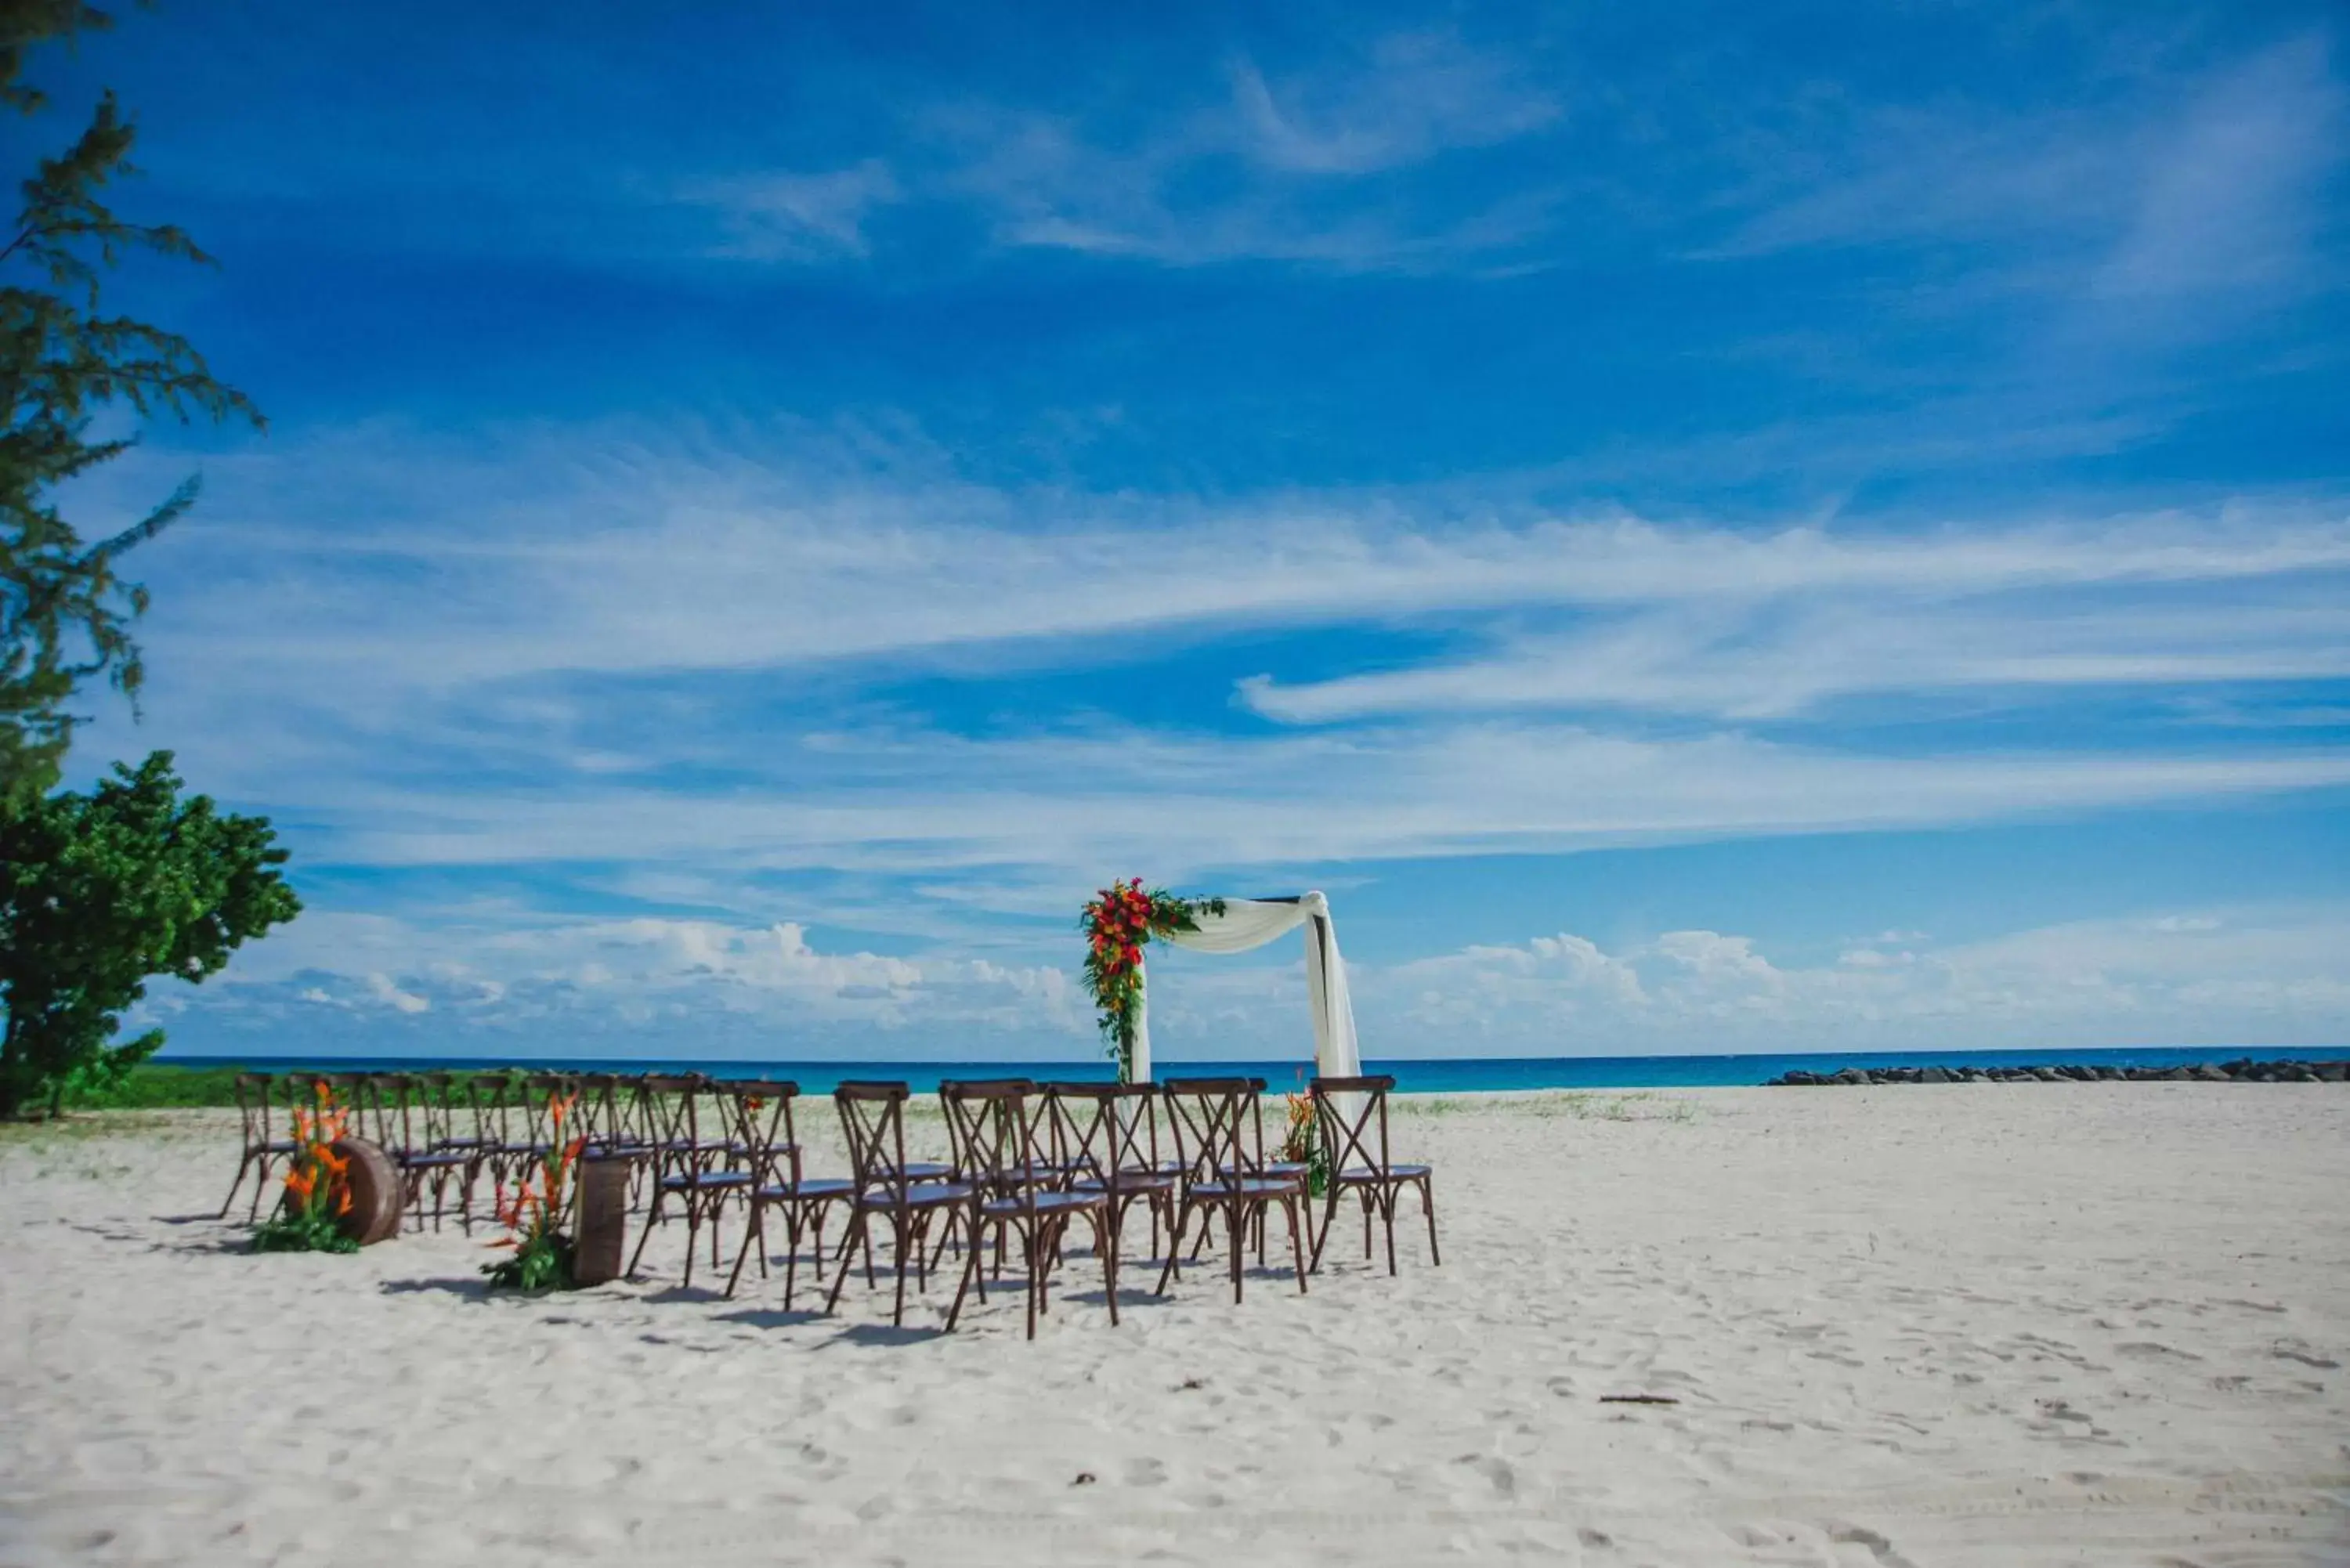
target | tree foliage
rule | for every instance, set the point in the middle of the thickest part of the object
(101, 892)
(65, 614)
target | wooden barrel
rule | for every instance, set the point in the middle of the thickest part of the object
(375, 1192)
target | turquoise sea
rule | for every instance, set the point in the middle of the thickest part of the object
(1418, 1074)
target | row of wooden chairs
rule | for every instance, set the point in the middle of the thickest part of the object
(443, 1132)
(1026, 1161)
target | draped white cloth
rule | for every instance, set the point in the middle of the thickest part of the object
(1251, 923)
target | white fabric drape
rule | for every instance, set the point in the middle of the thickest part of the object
(1251, 923)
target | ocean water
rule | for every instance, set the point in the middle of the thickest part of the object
(1413, 1075)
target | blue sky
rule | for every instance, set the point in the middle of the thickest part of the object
(1721, 528)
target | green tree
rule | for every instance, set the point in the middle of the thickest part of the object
(66, 615)
(101, 892)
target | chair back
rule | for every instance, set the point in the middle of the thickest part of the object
(612, 1112)
(763, 1126)
(1217, 1124)
(253, 1093)
(490, 1097)
(873, 1123)
(994, 1128)
(682, 1127)
(1104, 1130)
(443, 1111)
(540, 1091)
(1351, 1116)
(374, 1106)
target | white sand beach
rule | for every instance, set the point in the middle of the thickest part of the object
(1920, 1325)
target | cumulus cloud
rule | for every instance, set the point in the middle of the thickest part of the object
(496, 975)
(2245, 977)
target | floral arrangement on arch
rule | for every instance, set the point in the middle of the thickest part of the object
(309, 1218)
(1117, 924)
(541, 1259)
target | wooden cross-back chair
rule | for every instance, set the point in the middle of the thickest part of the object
(1219, 1138)
(1106, 1136)
(1351, 1117)
(617, 1119)
(763, 1127)
(904, 1195)
(986, 1153)
(266, 1109)
(407, 1118)
(1005, 1130)
(696, 1170)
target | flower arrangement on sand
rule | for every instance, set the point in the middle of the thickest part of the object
(535, 1213)
(1301, 1145)
(317, 1186)
(1117, 925)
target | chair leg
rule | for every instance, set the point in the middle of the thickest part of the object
(754, 1229)
(792, 1255)
(1329, 1212)
(970, 1273)
(1106, 1242)
(1428, 1207)
(899, 1225)
(1387, 1214)
(1174, 1246)
(1291, 1207)
(241, 1167)
(652, 1219)
(1237, 1229)
(857, 1228)
(1034, 1243)
(260, 1184)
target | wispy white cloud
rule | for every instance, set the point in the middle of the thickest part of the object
(797, 216)
(2227, 201)
(1770, 659)
(2133, 222)
(1287, 168)
(1417, 95)
(563, 658)
(617, 550)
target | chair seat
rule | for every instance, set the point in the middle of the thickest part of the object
(1128, 1181)
(276, 1146)
(703, 1180)
(427, 1159)
(1360, 1175)
(813, 1187)
(1278, 1170)
(1036, 1175)
(1247, 1186)
(1042, 1203)
(926, 1195)
(462, 1143)
(924, 1170)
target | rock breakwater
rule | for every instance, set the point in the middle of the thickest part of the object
(2246, 1071)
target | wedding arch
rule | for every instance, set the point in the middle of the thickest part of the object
(1121, 921)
